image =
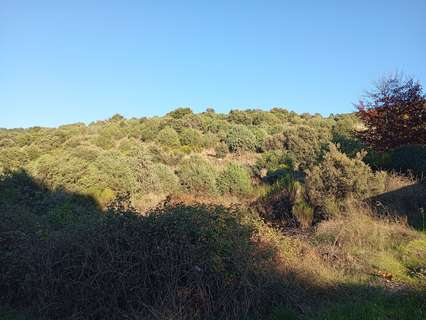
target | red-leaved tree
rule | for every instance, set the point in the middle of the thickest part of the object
(394, 114)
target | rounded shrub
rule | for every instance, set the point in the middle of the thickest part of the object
(61, 170)
(179, 113)
(168, 137)
(154, 177)
(240, 138)
(235, 179)
(110, 170)
(197, 175)
(304, 144)
(192, 138)
(168, 181)
(338, 177)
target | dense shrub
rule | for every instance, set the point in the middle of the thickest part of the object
(108, 135)
(12, 158)
(111, 171)
(168, 180)
(234, 179)
(275, 160)
(240, 117)
(274, 142)
(154, 177)
(179, 113)
(192, 138)
(61, 169)
(210, 140)
(240, 138)
(168, 137)
(149, 129)
(260, 135)
(181, 262)
(338, 177)
(265, 118)
(197, 175)
(304, 145)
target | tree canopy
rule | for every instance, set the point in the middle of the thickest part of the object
(394, 114)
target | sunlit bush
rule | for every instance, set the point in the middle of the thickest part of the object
(192, 138)
(168, 137)
(240, 138)
(197, 175)
(234, 179)
(338, 177)
(304, 145)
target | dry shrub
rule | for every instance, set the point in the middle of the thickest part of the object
(177, 262)
(359, 242)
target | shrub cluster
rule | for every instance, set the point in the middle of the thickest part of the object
(239, 138)
(180, 262)
(197, 175)
(339, 177)
(234, 179)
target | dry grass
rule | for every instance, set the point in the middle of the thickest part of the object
(364, 246)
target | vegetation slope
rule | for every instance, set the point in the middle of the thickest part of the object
(247, 215)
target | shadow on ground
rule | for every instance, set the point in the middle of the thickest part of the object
(407, 203)
(62, 257)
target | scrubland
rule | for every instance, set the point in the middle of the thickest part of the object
(247, 215)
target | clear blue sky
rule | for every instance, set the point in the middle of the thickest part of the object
(83, 60)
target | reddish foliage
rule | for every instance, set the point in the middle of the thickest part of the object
(394, 114)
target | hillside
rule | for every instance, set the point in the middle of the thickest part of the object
(247, 215)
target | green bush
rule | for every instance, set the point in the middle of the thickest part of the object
(179, 113)
(304, 144)
(274, 142)
(111, 170)
(149, 129)
(192, 138)
(273, 161)
(338, 177)
(61, 169)
(169, 182)
(12, 158)
(235, 179)
(260, 136)
(154, 177)
(168, 137)
(108, 136)
(240, 117)
(240, 138)
(197, 175)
